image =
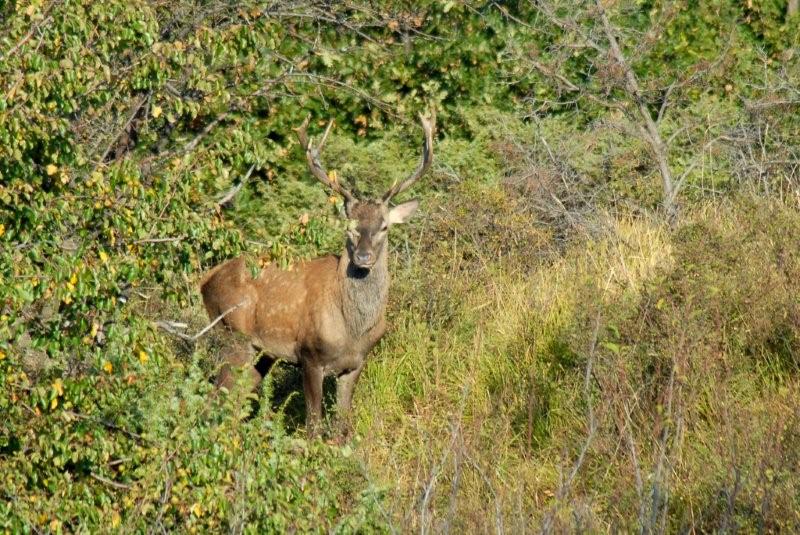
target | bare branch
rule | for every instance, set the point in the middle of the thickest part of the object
(570, 87)
(106, 424)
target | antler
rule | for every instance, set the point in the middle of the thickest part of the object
(428, 126)
(312, 156)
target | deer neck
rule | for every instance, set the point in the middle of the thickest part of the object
(364, 292)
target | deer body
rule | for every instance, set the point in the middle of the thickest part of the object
(315, 308)
(324, 315)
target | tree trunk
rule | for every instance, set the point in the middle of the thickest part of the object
(649, 128)
(793, 8)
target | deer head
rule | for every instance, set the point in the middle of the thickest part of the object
(369, 219)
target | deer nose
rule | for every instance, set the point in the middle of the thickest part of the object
(363, 258)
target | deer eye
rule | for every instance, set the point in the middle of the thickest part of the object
(384, 227)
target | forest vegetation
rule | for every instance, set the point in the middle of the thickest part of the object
(594, 319)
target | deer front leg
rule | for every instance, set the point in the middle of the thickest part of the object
(345, 384)
(238, 355)
(312, 389)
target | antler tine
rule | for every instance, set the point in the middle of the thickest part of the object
(312, 157)
(428, 126)
(325, 135)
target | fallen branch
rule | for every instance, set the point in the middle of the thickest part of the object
(108, 425)
(160, 240)
(110, 482)
(203, 133)
(228, 197)
(172, 327)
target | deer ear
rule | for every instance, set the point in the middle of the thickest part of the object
(401, 212)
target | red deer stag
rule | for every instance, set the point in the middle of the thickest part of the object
(323, 314)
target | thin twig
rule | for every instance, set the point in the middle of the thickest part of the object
(136, 108)
(26, 38)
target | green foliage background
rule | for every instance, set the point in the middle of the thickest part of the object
(122, 124)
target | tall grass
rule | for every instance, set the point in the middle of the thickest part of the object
(585, 392)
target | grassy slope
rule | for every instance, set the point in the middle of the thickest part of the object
(476, 410)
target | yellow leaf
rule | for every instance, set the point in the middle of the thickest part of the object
(196, 510)
(53, 403)
(95, 328)
(64, 177)
(116, 520)
(108, 367)
(73, 279)
(2, 354)
(58, 387)
(103, 257)
(143, 357)
(51, 169)
(156, 111)
(2, 229)
(332, 176)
